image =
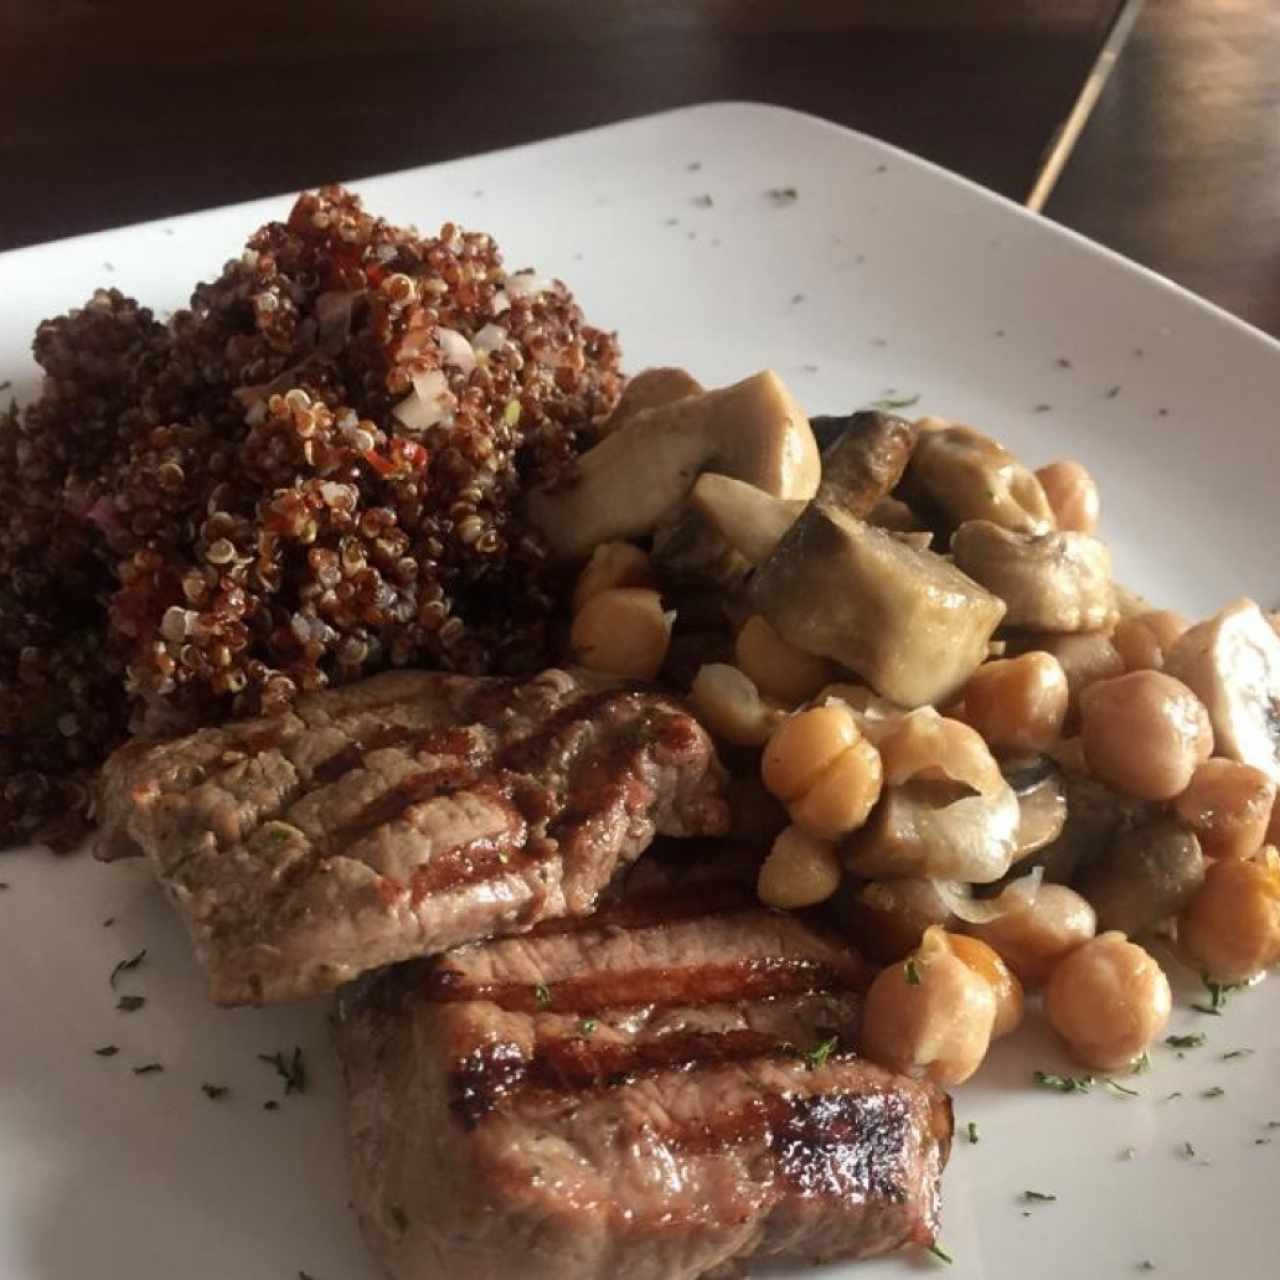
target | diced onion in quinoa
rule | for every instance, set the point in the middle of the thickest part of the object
(429, 403)
(527, 284)
(490, 338)
(455, 350)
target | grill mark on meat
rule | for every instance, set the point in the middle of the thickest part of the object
(353, 755)
(493, 1073)
(370, 856)
(758, 978)
(527, 752)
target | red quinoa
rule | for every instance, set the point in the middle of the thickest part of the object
(205, 517)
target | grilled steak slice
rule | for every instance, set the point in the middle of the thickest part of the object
(647, 1095)
(402, 816)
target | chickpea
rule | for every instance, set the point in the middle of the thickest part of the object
(826, 772)
(1017, 704)
(1033, 940)
(1228, 806)
(1143, 641)
(1072, 494)
(930, 1016)
(612, 565)
(622, 632)
(799, 871)
(1144, 733)
(779, 669)
(1085, 657)
(803, 746)
(986, 962)
(842, 797)
(731, 706)
(1231, 929)
(1107, 1001)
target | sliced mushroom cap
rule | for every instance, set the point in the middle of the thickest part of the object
(636, 476)
(1048, 581)
(887, 918)
(1232, 664)
(941, 830)
(1148, 874)
(1094, 815)
(750, 520)
(968, 476)
(647, 390)
(865, 462)
(1042, 801)
(907, 621)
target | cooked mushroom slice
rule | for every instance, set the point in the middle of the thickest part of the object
(865, 462)
(943, 830)
(1232, 663)
(647, 390)
(907, 621)
(894, 514)
(1048, 581)
(1042, 801)
(1148, 874)
(1094, 815)
(750, 520)
(626, 484)
(887, 918)
(970, 477)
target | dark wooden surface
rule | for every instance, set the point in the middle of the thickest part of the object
(1179, 167)
(118, 110)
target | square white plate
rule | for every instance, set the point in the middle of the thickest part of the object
(884, 274)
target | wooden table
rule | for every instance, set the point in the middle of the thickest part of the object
(1179, 166)
(127, 109)
(113, 112)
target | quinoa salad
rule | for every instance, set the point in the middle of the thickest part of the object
(307, 476)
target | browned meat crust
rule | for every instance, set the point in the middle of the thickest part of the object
(402, 816)
(631, 1098)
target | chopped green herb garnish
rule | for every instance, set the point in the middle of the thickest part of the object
(818, 1055)
(4, 884)
(783, 195)
(291, 1070)
(1219, 992)
(1140, 1065)
(1193, 1041)
(272, 1105)
(1169, 1097)
(1112, 392)
(107, 1051)
(894, 400)
(305, 1275)
(108, 922)
(694, 165)
(1062, 362)
(1044, 1196)
(941, 1254)
(1262, 1142)
(125, 965)
(214, 1091)
(911, 973)
(703, 201)
(399, 1217)
(1189, 1151)
(1129, 1153)
(1273, 1124)
(147, 1068)
(1216, 1092)
(1042, 408)
(130, 1004)
(542, 995)
(1146, 1265)
(1236, 1053)
(973, 1131)
(1063, 1084)
(1115, 1085)
(588, 1025)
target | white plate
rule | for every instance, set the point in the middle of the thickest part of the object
(884, 274)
